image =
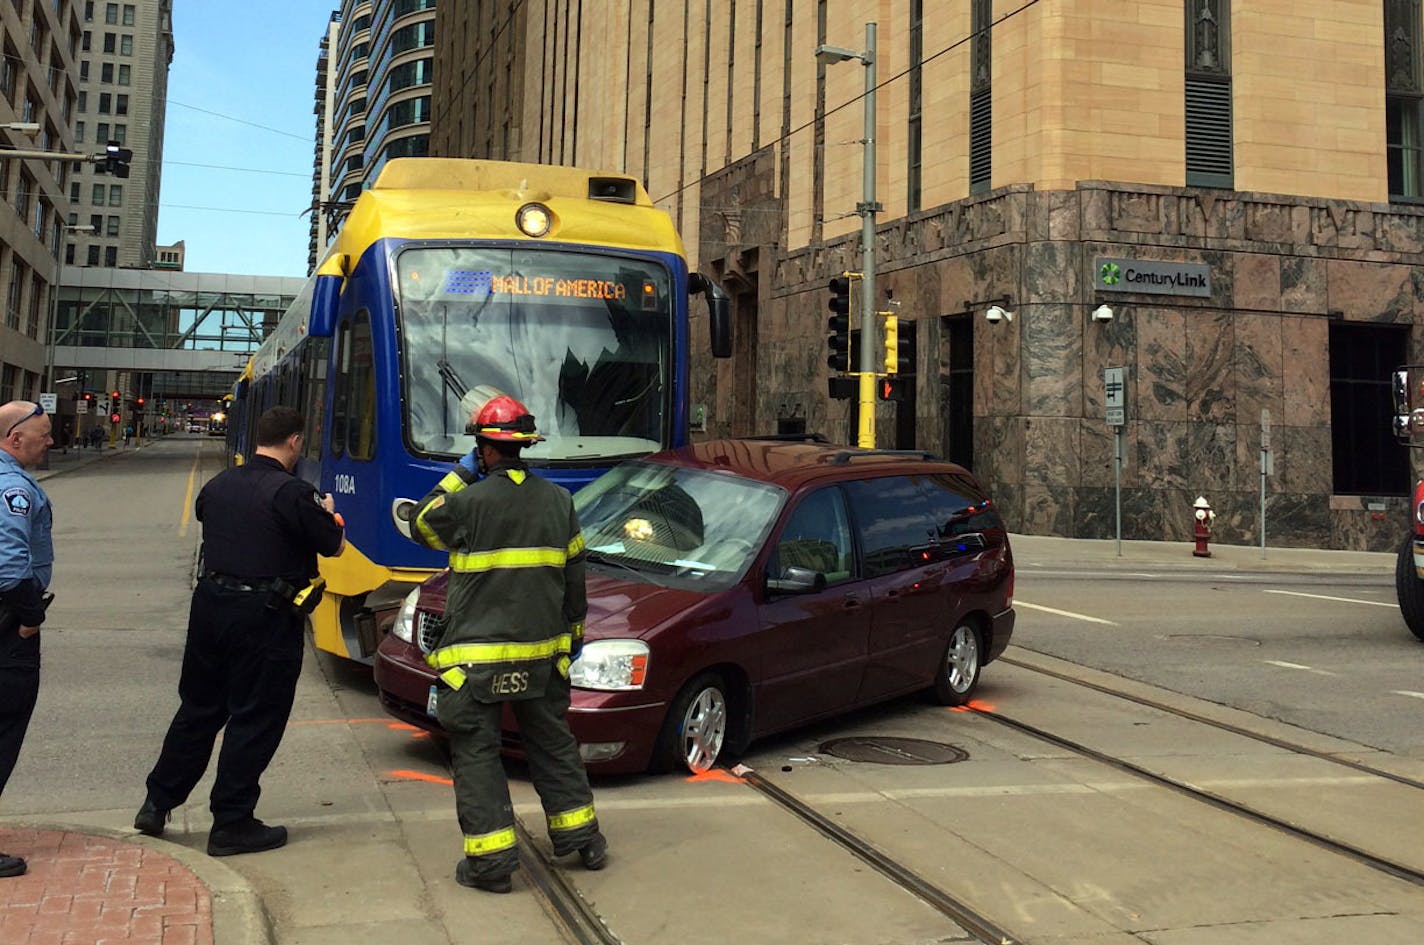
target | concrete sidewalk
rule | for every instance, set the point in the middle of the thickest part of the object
(376, 865)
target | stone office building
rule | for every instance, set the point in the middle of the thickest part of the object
(1238, 184)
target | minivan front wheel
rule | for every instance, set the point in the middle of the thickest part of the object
(958, 672)
(696, 726)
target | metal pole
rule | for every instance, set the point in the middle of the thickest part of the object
(1263, 503)
(1117, 486)
(867, 254)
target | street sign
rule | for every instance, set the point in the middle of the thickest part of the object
(1265, 429)
(81, 406)
(1115, 395)
(50, 402)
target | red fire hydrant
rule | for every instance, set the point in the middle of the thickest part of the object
(1202, 531)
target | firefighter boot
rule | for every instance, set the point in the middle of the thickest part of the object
(11, 865)
(465, 876)
(248, 836)
(594, 854)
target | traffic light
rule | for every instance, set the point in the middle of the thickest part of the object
(114, 417)
(89, 397)
(138, 405)
(893, 388)
(116, 160)
(839, 324)
(899, 347)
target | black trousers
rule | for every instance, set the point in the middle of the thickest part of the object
(19, 689)
(240, 669)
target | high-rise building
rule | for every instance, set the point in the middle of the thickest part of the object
(1221, 198)
(39, 46)
(376, 100)
(125, 52)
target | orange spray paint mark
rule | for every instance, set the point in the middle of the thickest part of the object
(405, 775)
(716, 774)
(975, 705)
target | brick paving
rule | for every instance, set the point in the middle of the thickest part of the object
(88, 890)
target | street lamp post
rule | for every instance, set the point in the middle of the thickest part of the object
(867, 209)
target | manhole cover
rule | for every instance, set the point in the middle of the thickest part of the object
(894, 751)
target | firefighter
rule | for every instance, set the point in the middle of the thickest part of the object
(514, 625)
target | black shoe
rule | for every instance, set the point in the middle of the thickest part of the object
(594, 854)
(151, 819)
(11, 865)
(465, 876)
(250, 836)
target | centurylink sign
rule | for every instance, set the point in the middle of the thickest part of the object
(1151, 277)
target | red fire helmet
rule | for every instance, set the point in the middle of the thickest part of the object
(506, 419)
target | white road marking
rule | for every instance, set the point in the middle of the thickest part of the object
(1062, 613)
(1408, 692)
(1343, 600)
(1308, 669)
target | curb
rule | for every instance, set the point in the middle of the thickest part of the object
(239, 915)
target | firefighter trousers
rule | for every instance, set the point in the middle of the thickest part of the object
(482, 792)
(239, 676)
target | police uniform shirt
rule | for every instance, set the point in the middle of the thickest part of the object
(26, 548)
(261, 522)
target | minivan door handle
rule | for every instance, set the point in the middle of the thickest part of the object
(852, 602)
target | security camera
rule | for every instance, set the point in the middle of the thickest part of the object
(1102, 314)
(994, 314)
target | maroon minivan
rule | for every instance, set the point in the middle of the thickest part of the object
(741, 587)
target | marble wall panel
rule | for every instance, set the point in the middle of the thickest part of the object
(1096, 446)
(1051, 271)
(1008, 498)
(1097, 514)
(1257, 366)
(1063, 216)
(1238, 516)
(1210, 386)
(1303, 460)
(1156, 514)
(1247, 474)
(1048, 509)
(1370, 291)
(998, 366)
(1303, 285)
(1297, 521)
(1160, 455)
(1370, 530)
(1305, 372)
(1113, 344)
(1052, 350)
(999, 449)
(1256, 282)
(1399, 233)
(1052, 450)
(1160, 378)
(1209, 464)
(957, 283)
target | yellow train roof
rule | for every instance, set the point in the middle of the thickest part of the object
(459, 198)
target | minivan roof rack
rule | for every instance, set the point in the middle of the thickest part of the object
(786, 437)
(845, 456)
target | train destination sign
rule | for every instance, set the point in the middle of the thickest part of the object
(1151, 277)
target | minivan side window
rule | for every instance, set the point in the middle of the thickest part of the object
(817, 536)
(959, 507)
(894, 519)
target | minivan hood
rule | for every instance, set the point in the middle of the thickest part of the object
(622, 608)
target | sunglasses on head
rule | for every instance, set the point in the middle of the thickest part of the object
(37, 412)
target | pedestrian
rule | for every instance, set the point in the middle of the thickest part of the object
(262, 531)
(128, 434)
(26, 562)
(514, 624)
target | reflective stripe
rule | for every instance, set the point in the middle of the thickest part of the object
(576, 545)
(576, 630)
(487, 843)
(571, 819)
(477, 561)
(453, 677)
(427, 534)
(302, 595)
(463, 654)
(517, 476)
(451, 482)
(563, 666)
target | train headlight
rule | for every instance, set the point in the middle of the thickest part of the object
(534, 219)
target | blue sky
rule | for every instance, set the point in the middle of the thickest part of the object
(240, 96)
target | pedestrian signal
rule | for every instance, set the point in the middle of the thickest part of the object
(114, 417)
(893, 388)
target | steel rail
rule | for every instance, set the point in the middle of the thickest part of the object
(576, 917)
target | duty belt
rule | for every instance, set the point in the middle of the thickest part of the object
(238, 584)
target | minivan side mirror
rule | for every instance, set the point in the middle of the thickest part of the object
(795, 580)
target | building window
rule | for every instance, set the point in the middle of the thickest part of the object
(111, 256)
(106, 103)
(96, 196)
(12, 296)
(113, 226)
(101, 133)
(69, 254)
(83, 102)
(84, 70)
(121, 104)
(1208, 94)
(124, 74)
(85, 40)
(912, 138)
(93, 254)
(96, 223)
(1367, 458)
(128, 14)
(126, 45)
(981, 97)
(79, 132)
(111, 13)
(74, 192)
(106, 73)
(121, 133)
(88, 11)
(110, 39)
(1404, 98)
(116, 195)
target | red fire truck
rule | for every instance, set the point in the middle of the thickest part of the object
(1408, 386)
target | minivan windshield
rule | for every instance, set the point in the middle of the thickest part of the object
(674, 525)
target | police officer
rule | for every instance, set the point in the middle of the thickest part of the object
(514, 623)
(26, 560)
(262, 530)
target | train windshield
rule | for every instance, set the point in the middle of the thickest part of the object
(581, 339)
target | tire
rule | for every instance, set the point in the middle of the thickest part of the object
(695, 730)
(957, 675)
(1409, 588)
